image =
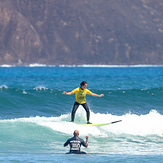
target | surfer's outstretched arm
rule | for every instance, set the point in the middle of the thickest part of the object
(67, 93)
(96, 95)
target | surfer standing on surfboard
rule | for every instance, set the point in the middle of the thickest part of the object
(80, 94)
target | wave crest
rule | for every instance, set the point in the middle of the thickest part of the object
(132, 124)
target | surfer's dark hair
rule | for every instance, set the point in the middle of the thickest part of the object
(83, 83)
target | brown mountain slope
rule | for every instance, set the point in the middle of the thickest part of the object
(81, 32)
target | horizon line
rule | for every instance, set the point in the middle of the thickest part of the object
(82, 65)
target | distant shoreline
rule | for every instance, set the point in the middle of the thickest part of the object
(84, 65)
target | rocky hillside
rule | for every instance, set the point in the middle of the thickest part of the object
(81, 31)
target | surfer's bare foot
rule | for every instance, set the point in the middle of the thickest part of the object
(89, 123)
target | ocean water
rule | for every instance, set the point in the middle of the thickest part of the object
(35, 115)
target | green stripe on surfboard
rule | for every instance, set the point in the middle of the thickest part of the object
(100, 124)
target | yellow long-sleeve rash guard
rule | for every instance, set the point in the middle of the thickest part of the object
(81, 94)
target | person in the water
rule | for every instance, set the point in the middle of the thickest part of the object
(75, 143)
(80, 94)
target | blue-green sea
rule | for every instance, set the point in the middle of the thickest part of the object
(35, 114)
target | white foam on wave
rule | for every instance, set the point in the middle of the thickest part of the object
(132, 124)
(83, 65)
(142, 125)
(3, 86)
(24, 92)
(37, 65)
(5, 65)
(40, 88)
